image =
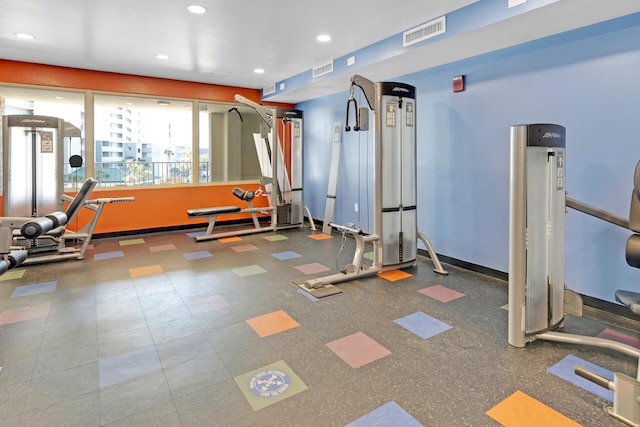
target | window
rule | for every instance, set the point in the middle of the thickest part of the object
(66, 105)
(155, 145)
(146, 140)
(228, 132)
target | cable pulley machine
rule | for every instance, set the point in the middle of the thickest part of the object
(538, 299)
(395, 231)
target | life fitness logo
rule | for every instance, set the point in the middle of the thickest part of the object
(549, 135)
(271, 383)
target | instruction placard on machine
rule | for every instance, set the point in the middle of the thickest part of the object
(46, 142)
(559, 171)
(391, 114)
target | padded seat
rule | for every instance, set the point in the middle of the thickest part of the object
(194, 213)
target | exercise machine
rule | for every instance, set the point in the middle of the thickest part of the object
(47, 239)
(279, 149)
(212, 213)
(33, 154)
(395, 231)
(538, 298)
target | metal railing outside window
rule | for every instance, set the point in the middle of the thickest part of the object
(129, 173)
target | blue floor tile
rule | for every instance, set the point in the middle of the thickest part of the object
(108, 255)
(565, 370)
(197, 255)
(38, 288)
(123, 367)
(422, 324)
(388, 415)
(286, 255)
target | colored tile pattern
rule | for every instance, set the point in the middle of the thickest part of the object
(12, 274)
(123, 367)
(272, 323)
(270, 384)
(521, 410)
(388, 415)
(358, 349)
(565, 370)
(197, 255)
(441, 293)
(25, 313)
(244, 248)
(196, 234)
(286, 255)
(38, 288)
(422, 325)
(108, 255)
(230, 239)
(145, 271)
(275, 237)
(619, 337)
(394, 275)
(312, 268)
(321, 236)
(130, 242)
(162, 248)
(314, 299)
(250, 270)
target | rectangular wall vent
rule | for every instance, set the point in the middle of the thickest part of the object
(268, 90)
(323, 69)
(425, 31)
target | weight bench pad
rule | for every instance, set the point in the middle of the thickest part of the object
(194, 213)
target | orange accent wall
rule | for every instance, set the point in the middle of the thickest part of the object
(74, 78)
(165, 206)
(154, 207)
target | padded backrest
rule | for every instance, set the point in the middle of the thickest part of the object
(77, 202)
(634, 213)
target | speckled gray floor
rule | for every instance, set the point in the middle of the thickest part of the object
(91, 345)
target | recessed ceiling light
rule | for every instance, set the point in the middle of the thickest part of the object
(162, 56)
(196, 8)
(24, 36)
(258, 71)
(323, 38)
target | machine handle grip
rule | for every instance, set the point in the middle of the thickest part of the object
(593, 377)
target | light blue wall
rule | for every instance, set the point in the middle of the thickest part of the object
(586, 80)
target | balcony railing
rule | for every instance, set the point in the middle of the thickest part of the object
(115, 174)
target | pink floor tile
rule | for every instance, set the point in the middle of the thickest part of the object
(441, 293)
(245, 248)
(358, 349)
(25, 313)
(312, 268)
(619, 337)
(162, 248)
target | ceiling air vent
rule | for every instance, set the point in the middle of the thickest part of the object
(269, 90)
(425, 31)
(323, 69)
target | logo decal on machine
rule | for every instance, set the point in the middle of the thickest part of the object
(551, 135)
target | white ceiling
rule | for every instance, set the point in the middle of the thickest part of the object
(224, 45)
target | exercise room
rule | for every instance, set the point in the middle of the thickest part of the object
(283, 214)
